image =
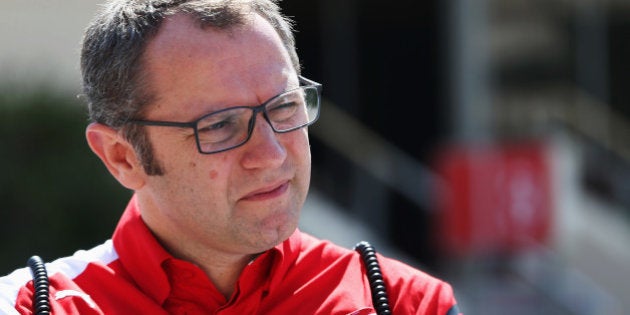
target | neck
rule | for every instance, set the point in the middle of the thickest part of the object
(222, 268)
(224, 271)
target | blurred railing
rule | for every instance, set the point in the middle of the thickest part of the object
(604, 133)
(375, 155)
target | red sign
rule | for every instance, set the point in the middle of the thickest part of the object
(494, 199)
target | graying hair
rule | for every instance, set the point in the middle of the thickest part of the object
(114, 83)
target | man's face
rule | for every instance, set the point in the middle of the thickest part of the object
(241, 201)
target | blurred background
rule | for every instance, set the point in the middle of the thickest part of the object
(485, 142)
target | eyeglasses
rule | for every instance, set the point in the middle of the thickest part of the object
(232, 127)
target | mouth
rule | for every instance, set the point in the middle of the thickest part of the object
(268, 192)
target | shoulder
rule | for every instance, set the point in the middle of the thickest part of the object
(325, 252)
(340, 271)
(415, 291)
(312, 244)
(16, 287)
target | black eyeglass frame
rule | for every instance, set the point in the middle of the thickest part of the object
(304, 83)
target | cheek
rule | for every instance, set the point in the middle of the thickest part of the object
(221, 165)
(301, 146)
(213, 174)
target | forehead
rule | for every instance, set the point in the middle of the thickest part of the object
(181, 39)
(191, 65)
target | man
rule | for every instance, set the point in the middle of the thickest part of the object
(200, 109)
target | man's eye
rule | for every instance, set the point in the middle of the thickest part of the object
(219, 129)
(282, 111)
(287, 105)
(216, 126)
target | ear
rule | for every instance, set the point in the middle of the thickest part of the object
(117, 154)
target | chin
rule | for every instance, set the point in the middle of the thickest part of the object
(273, 237)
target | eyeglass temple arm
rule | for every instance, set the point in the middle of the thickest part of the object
(308, 81)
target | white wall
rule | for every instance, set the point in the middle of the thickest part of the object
(40, 41)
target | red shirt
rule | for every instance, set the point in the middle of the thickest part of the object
(134, 274)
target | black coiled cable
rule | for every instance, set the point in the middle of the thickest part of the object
(40, 285)
(375, 277)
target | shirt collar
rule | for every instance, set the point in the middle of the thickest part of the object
(141, 254)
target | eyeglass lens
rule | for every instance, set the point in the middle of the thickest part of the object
(230, 128)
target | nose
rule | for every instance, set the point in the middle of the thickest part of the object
(264, 148)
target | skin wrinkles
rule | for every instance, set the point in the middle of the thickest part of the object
(218, 210)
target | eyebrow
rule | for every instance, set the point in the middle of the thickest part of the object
(191, 123)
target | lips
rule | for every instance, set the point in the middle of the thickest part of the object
(268, 192)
